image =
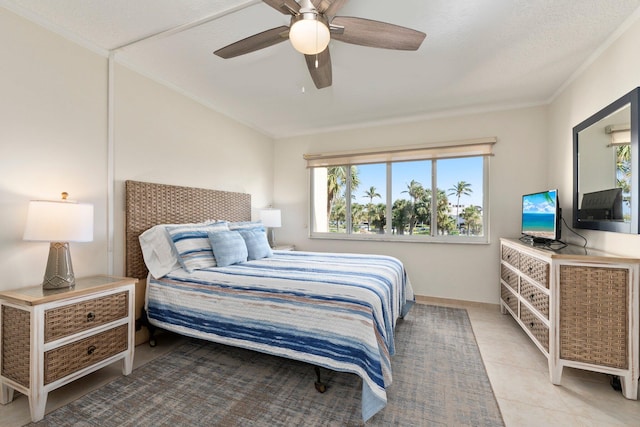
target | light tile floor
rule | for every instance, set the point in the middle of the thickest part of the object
(519, 375)
(516, 368)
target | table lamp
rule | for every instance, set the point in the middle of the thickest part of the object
(271, 218)
(59, 222)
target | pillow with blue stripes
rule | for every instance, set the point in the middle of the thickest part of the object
(193, 246)
(228, 248)
(257, 243)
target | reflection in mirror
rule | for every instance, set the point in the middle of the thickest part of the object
(605, 168)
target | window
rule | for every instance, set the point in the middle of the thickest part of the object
(388, 194)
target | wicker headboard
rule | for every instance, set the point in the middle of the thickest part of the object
(149, 204)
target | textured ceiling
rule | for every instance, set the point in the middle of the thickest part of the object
(478, 55)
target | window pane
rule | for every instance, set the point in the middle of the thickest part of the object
(329, 198)
(368, 199)
(460, 193)
(623, 178)
(411, 195)
(351, 201)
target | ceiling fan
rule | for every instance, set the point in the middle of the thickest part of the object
(313, 24)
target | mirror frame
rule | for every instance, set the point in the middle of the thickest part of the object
(632, 100)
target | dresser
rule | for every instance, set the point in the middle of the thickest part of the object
(49, 338)
(579, 306)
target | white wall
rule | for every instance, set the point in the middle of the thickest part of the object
(466, 272)
(53, 138)
(611, 75)
(164, 137)
(53, 106)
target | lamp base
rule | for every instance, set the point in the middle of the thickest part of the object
(272, 238)
(59, 272)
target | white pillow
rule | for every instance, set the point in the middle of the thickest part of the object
(159, 254)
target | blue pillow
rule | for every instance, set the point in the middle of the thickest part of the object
(257, 243)
(228, 247)
(191, 242)
(246, 225)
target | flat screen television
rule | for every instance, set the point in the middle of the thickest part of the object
(541, 217)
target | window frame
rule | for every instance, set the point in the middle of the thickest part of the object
(481, 147)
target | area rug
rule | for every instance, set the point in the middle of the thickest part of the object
(438, 380)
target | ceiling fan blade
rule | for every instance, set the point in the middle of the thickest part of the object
(365, 32)
(254, 42)
(287, 7)
(328, 7)
(321, 75)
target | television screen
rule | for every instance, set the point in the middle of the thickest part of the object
(540, 215)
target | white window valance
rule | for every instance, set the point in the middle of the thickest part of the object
(443, 150)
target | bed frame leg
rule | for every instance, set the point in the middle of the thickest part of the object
(144, 321)
(320, 386)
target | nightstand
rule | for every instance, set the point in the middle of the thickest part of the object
(49, 338)
(284, 247)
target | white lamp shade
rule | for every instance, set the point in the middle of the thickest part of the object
(59, 221)
(271, 218)
(309, 36)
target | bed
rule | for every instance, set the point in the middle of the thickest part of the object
(336, 311)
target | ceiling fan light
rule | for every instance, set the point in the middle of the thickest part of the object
(308, 34)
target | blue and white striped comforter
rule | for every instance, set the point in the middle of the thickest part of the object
(332, 310)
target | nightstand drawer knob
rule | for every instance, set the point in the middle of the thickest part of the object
(91, 317)
(91, 349)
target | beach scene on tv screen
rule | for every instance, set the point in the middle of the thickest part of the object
(538, 213)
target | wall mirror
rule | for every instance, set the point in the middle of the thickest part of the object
(605, 168)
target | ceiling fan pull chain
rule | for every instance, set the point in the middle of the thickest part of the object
(316, 47)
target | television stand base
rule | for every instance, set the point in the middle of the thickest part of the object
(543, 243)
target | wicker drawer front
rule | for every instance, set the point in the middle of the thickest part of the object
(509, 298)
(510, 255)
(509, 277)
(16, 327)
(535, 325)
(537, 269)
(538, 299)
(70, 319)
(593, 315)
(65, 360)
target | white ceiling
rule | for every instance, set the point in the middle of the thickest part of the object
(478, 55)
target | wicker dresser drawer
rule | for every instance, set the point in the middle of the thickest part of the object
(65, 360)
(535, 296)
(509, 298)
(51, 338)
(535, 268)
(510, 255)
(73, 318)
(535, 325)
(594, 324)
(16, 345)
(509, 276)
